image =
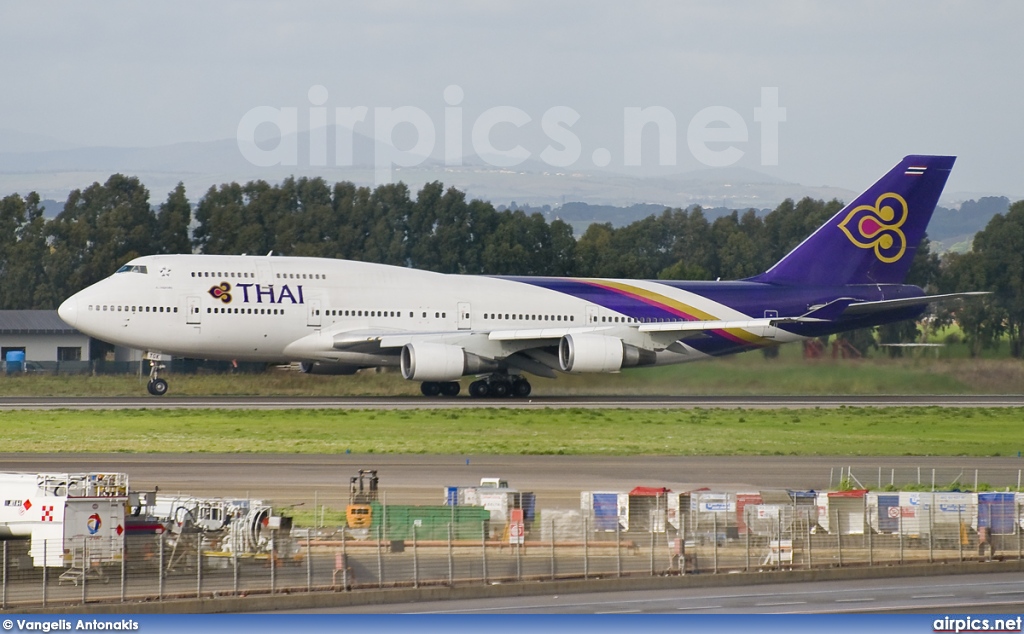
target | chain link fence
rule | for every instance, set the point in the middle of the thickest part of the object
(42, 573)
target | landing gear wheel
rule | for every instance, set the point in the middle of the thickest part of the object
(430, 388)
(498, 389)
(479, 389)
(521, 388)
(157, 387)
(452, 388)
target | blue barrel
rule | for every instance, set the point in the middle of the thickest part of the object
(15, 361)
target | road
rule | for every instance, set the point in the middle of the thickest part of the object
(557, 480)
(993, 593)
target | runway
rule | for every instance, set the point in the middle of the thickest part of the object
(540, 402)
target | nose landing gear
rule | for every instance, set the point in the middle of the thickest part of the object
(156, 385)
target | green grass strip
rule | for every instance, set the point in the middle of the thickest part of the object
(803, 432)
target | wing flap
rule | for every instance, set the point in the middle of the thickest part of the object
(541, 333)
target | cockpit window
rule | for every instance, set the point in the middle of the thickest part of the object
(132, 268)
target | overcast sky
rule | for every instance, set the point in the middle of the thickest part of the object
(862, 83)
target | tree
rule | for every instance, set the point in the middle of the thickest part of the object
(100, 228)
(1000, 247)
(980, 319)
(173, 221)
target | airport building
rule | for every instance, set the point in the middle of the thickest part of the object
(40, 339)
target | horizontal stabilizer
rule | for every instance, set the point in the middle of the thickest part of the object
(867, 308)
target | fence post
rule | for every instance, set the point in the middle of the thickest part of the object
(931, 530)
(1018, 522)
(681, 537)
(714, 537)
(415, 561)
(45, 569)
(901, 535)
(586, 558)
(652, 550)
(483, 548)
(810, 541)
(3, 600)
(778, 565)
(552, 549)
(160, 566)
(309, 562)
(960, 532)
(746, 537)
(273, 562)
(234, 572)
(380, 560)
(451, 561)
(519, 559)
(124, 568)
(344, 561)
(871, 543)
(839, 537)
(85, 568)
(199, 565)
(618, 550)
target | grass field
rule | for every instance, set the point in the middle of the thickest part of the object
(737, 375)
(843, 431)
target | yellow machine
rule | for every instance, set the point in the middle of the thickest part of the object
(359, 513)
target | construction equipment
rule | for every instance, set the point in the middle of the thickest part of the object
(362, 491)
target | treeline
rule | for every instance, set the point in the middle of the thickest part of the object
(105, 225)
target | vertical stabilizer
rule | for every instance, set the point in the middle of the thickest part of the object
(873, 239)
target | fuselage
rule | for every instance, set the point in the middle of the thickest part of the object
(256, 308)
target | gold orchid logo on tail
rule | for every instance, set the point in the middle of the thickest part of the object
(878, 227)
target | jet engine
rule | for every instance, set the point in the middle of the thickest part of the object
(580, 353)
(424, 361)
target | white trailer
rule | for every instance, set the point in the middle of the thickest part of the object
(67, 516)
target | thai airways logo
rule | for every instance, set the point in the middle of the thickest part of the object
(878, 227)
(222, 292)
(93, 524)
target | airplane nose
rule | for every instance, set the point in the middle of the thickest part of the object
(68, 311)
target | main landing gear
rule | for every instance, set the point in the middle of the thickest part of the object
(434, 388)
(499, 386)
(494, 386)
(156, 385)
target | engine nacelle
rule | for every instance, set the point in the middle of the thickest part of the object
(597, 353)
(590, 353)
(432, 362)
(317, 367)
(424, 361)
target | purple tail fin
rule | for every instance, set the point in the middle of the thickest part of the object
(873, 239)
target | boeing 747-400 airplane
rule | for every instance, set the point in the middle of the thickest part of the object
(337, 316)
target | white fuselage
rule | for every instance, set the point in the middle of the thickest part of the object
(284, 309)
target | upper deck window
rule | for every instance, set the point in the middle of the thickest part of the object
(133, 268)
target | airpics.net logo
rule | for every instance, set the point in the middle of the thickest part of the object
(716, 136)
